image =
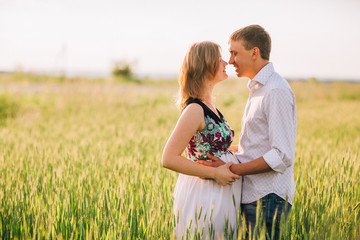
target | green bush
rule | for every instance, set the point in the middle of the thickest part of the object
(123, 72)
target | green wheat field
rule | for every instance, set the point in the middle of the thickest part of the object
(81, 159)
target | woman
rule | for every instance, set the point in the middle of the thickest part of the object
(202, 206)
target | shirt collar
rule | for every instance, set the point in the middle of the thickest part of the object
(260, 78)
(263, 75)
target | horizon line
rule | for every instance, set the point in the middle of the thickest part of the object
(163, 76)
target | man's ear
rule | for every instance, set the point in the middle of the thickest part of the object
(255, 53)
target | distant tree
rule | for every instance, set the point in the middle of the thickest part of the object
(122, 70)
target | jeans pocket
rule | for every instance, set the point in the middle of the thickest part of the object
(279, 201)
(262, 202)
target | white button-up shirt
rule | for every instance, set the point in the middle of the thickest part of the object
(269, 130)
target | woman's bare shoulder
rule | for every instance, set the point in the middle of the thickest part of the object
(193, 109)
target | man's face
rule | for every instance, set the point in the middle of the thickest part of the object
(240, 58)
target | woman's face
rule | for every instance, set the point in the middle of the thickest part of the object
(221, 74)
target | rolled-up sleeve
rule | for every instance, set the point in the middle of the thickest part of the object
(280, 111)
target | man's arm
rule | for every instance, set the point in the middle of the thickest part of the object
(280, 109)
(253, 167)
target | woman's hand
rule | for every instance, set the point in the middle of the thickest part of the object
(224, 176)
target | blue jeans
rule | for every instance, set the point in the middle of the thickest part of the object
(269, 204)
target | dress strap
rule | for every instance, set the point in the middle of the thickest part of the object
(207, 110)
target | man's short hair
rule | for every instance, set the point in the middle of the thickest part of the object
(254, 36)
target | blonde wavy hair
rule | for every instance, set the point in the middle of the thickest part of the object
(201, 63)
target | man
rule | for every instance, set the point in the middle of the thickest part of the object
(266, 146)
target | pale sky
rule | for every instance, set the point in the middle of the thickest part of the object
(311, 38)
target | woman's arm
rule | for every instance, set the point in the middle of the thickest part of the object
(190, 121)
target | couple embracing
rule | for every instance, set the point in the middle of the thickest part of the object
(218, 181)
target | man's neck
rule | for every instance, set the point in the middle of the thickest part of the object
(257, 67)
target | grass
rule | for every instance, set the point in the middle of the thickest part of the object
(82, 161)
